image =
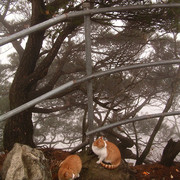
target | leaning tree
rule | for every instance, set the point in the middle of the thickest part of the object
(32, 69)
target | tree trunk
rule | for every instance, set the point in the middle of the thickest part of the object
(170, 152)
(19, 128)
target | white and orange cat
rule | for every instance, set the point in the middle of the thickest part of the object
(107, 152)
(70, 168)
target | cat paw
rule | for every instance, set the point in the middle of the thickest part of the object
(98, 162)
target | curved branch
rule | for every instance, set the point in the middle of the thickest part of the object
(16, 44)
(42, 70)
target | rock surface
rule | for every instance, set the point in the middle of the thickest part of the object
(93, 171)
(25, 163)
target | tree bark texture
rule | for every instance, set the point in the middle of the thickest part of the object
(170, 152)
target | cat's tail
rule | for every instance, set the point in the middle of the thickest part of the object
(111, 166)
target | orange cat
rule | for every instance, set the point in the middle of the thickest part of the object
(107, 152)
(70, 168)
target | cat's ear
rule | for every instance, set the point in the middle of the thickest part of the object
(101, 137)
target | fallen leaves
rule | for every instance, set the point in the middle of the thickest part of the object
(157, 171)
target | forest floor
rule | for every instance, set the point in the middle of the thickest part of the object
(153, 171)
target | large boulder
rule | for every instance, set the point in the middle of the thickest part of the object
(25, 163)
(93, 171)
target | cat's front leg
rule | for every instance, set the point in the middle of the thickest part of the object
(101, 158)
